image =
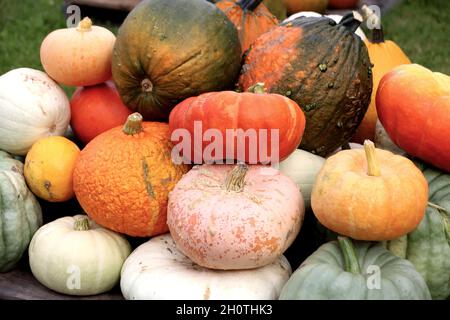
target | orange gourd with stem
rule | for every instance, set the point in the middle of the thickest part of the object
(123, 177)
(369, 194)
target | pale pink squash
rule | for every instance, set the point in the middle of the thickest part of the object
(234, 217)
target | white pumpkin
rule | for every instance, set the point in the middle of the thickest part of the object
(303, 167)
(158, 270)
(335, 17)
(383, 141)
(75, 256)
(32, 106)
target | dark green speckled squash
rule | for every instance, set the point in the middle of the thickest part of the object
(324, 67)
(169, 50)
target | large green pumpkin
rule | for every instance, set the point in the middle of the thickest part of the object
(357, 271)
(428, 246)
(169, 50)
(324, 67)
(20, 213)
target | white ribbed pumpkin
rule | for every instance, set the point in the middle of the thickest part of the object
(335, 17)
(303, 167)
(32, 106)
(74, 255)
(157, 270)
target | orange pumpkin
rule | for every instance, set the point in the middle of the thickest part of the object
(369, 194)
(96, 109)
(78, 56)
(250, 17)
(123, 177)
(385, 55)
(49, 167)
(413, 104)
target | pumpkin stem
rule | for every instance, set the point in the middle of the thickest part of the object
(373, 166)
(351, 21)
(133, 125)
(435, 206)
(236, 178)
(257, 88)
(249, 4)
(146, 85)
(85, 24)
(445, 221)
(348, 251)
(81, 224)
(377, 33)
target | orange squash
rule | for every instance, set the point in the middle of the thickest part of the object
(49, 167)
(369, 194)
(123, 177)
(96, 109)
(250, 17)
(385, 55)
(78, 56)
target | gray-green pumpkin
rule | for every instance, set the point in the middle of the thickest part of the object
(20, 213)
(428, 246)
(341, 270)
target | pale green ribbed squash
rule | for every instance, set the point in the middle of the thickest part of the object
(428, 246)
(345, 270)
(20, 213)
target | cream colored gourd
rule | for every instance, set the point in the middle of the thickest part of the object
(335, 17)
(158, 270)
(75, 256)
(303, 167)
(32, 106)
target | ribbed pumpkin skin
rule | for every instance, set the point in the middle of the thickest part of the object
(123, 181)
(428, 246)
(322, 66)
(322, 276)
(183, 47)
(230, 110)
(20, 213)
(249, 23)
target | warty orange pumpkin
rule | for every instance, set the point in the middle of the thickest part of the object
(123, 176)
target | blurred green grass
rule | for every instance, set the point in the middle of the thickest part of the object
(23, 26)
(420, 27)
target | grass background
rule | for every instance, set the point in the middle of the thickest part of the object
(420, 27)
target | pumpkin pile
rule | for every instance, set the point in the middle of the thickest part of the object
(233, 148)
